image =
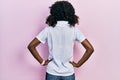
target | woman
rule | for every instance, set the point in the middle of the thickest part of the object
(60, 35)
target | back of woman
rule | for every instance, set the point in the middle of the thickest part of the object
(60, 35)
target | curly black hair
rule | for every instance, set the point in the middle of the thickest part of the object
(62, 11)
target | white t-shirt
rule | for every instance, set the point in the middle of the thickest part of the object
(60, 41)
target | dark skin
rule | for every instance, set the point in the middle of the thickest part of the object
(86, 44)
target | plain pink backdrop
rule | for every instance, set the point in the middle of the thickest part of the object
(22, 20)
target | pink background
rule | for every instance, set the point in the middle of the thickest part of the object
(22, 20)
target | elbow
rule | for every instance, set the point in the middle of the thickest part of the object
(29, 47)
(91, 50)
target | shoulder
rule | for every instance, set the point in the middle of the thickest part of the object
(76, 28)
(47, 28)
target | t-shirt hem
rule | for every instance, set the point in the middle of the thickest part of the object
(68, 74)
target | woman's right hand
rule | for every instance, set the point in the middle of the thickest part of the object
(47, 61)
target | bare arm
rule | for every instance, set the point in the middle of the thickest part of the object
(32, 48)
(89, 50)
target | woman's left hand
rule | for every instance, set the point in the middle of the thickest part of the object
(74, 64)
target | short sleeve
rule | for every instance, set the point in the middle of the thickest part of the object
(79, 36)
(42, 36)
